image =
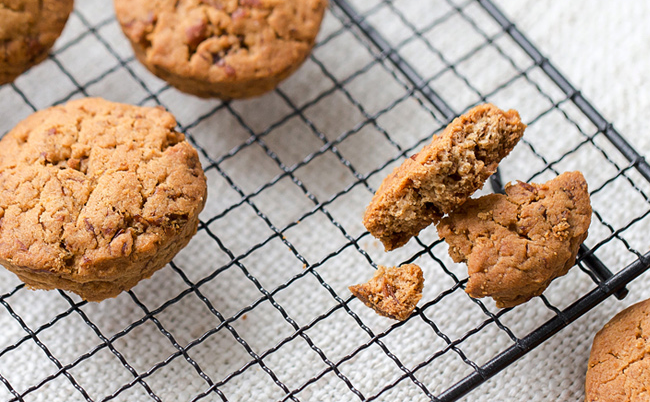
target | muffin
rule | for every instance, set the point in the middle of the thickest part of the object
(618, 370)
(28, 29)
(222, 48)
(95, 196)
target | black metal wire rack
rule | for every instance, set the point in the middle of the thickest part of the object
(257, 306)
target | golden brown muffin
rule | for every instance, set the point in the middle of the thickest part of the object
(619, 367)
(516, 244)
(28, 29)
(222, 48)
(392, 292)
(442, 175)
(95, 196)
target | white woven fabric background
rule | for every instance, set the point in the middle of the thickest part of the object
(601, 47)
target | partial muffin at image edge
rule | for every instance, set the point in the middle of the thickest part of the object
(28, 29)
(618, 368)
(219, 48)
(95, 196)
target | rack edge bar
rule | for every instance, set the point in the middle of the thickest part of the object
(547, 330)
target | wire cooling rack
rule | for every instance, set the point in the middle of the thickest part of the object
(257, 306)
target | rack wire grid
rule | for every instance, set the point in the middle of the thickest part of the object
(257, 306)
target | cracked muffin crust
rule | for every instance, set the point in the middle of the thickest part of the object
(442, 175)
(619, 367)
(221, 48)
(392, 292)
(516, 244)
(28, 29)
(95, 196)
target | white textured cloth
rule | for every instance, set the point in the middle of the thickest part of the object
(599, 45)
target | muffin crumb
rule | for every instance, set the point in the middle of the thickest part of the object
(392, 292)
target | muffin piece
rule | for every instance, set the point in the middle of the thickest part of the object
(95, 196)
(392, 292)
(516, 244)
(28, 29)
(222, 48)
(619, 367)
(442, 175)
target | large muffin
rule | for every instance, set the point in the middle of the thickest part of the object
(221, 48)
(95, 196)
(28, 29)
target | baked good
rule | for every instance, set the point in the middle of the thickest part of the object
(392, 292)
(516, 244)
(442, 175)
(619, 368)
(28, 29)
(222, 48)
(95, 196)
